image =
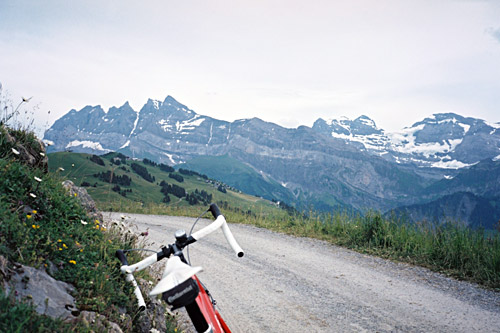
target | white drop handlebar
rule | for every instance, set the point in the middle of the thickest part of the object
(220, 222)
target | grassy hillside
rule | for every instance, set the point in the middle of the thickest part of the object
(142, 195)
(240, 176)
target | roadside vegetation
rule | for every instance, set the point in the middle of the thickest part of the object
(450, 248)
(43, 227)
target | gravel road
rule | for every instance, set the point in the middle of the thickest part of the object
(291, 284)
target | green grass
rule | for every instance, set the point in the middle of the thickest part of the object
(239, 175)
(451, 248)
(42, 226)
(145, 196)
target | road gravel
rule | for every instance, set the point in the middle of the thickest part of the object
(293, 284)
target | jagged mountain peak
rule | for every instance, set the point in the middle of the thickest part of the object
(365, 120)
(362, 125)
(91, 109)
(442, 140)
(446, 122)
(152, 104)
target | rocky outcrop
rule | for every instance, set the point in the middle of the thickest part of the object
(26, 147)
(85, 199)
(49, 296)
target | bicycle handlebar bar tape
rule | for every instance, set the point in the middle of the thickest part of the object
(121, 256)
(215, 210)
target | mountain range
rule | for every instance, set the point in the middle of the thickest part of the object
(335, 164)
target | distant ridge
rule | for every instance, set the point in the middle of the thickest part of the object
(335, 163)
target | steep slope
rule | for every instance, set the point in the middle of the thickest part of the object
(92, 130)
(113, 182)
(482, 179)
(240, 176)
(461, 207)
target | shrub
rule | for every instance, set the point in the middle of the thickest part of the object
(97, 160)
(143, 172)
(177, 177)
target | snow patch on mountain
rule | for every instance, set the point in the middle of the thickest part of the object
(189, 125)
(135, 124)
(494, 125)
(87, 144)
(210, 139)
(126, 144)
(156, 104)
(372, 141)
(164, 124)
(405, 142)
(170, 157)
(454, 164)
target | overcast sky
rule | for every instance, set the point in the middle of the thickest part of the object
(288, 62)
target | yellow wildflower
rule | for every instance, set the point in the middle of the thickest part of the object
(33, 226)
(81, 250)
(64, 245)
(60, 249)
(34, 211)
(75, 194)
(72, 262)
(28, 216)
(59, 240)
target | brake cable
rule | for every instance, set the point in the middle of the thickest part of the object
(191, 231)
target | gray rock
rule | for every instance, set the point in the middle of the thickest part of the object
(85, 199)
(100, 322)
(154, 317)
(49, 296)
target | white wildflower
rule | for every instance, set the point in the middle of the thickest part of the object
(38, 179)
(83, 222)
(60, 169)
(42, 154)
(32, 195)
(15, 151)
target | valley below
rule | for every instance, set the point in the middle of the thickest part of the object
(290, 284)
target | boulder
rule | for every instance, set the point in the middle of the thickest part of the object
(49, 296)
(85, 199)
